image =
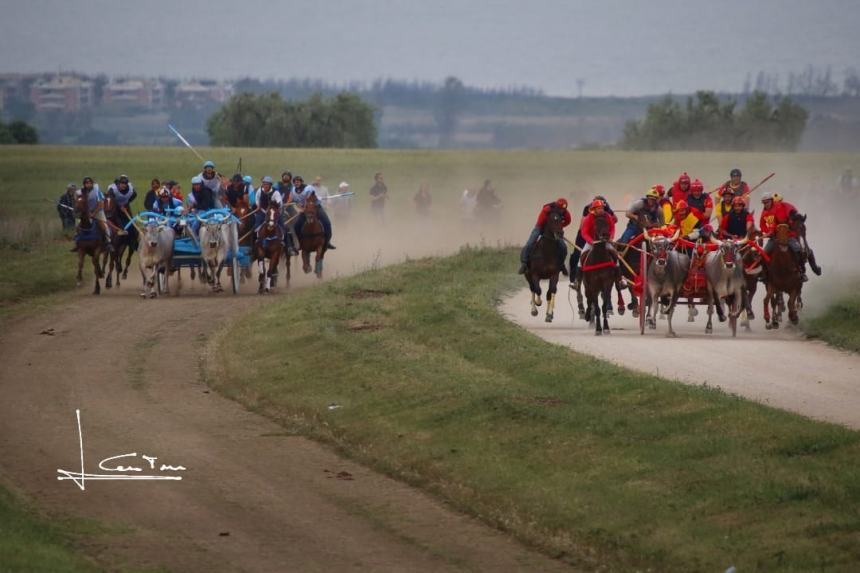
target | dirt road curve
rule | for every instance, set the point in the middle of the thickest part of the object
(777, 368)
(253, 498)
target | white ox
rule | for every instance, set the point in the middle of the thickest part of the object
(218, 242)
(155, 254)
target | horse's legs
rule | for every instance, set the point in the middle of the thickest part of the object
(711, 296)
(261, 276)
(792, 307)
(130, 253)
(607, 296)
(651, 310)
(550, 297)
(595, 304)
(306, 261)
(96, 270)
(318, 263)
(621, 307)
(80, 277)
(217, 272)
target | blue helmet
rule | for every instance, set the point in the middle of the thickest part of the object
(267, 179)
(247, 179)
(196, 180)
(208, 164)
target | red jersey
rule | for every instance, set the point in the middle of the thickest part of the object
(677, 194)
(779, 214)
(544, 213)
(588, 227)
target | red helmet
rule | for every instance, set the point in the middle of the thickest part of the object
(561, 202)
(707, 229)
(660, 189)
(681, 206)
(597, 204)
(696, 185)
(739, 201)
(684, 177)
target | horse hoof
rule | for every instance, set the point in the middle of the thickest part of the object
(768, 325)
(709, 331)
(598, 333)
(609, 312)
(607, 331)
(775, 325)
(635, 314)
(153, 295)
(549, 318)
(750, 316)
(620, 311)
(671, 334)
(534, 312)
(538, 302)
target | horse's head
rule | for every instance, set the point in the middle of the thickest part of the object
(554, 225)
(798, 223)
(311, 209)
(110, 206)
(782, 234)
(601, 228)
(271, 220)
(81, 208)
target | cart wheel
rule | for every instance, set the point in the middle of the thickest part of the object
(235, 278)
(733, 320)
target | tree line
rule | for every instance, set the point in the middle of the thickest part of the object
(18, 132)
(268, 120)
(707, 123)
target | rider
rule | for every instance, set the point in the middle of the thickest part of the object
(680, 189)
(299, 197)
(560, 206)
(579, 242)
(777, 212)
(687, 218)
(66, 206)
(701, 201)
(588, 228)
(735, 187)
(210, 180)
(642, 213)
(96, 207)
(267, 196)
(737, 223)
(249, 188)
(237, 192)
(123, 193)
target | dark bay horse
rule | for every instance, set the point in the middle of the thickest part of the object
(122, 243)
(88, 241)
(544, 263)
(783, 276)
(598, 277)
(312, 238)
(269, 245)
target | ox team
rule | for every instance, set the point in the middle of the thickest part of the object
(209, 190)
(684, 212)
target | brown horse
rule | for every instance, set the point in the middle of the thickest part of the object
(269, 245)
(312, 238)
(544, 264)
(89, 241)
(598, 277)
(783, 276)
(122, 243)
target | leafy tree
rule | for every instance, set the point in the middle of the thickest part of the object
(448, 108)
(707, 123)
(23, 132)
(267, 120)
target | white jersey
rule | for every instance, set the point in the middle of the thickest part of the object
(274, 197)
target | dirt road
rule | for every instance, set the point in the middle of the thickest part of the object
(777, 368)
(253, 498)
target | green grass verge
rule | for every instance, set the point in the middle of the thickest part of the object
(839, 325)
(31, 543)
(590, 462)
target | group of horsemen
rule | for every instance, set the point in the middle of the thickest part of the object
(685, 212)
(209, 190)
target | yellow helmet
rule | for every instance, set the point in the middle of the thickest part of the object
(652, 192)
(777, 197)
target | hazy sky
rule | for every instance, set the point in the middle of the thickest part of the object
(618, 47)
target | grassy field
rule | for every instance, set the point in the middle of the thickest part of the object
(595, 464)
(839, 325)
(32, 543)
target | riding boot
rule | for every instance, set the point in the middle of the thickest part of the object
(564, 270)
(329, 246)
(577, 279)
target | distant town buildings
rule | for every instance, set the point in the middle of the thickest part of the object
(67, 94)
(130, 94)
(198, 93)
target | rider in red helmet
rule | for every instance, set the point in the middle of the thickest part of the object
(588, 229)
(737, 223)
(680, 189)
(559, 206)
(698, 199)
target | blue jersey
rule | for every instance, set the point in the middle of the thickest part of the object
(173, 203)
(93, 197)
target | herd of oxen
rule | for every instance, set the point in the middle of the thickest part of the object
(662, 268)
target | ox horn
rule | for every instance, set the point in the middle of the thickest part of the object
(645, 233)
(743, 242)
(676, 235)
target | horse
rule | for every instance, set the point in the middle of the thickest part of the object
(783, 276)
(122, 243)
(666, 274)
(726, 279)
(89, 241)
(269, 245)
(544, 263)
(312, 238)
(598, 277)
